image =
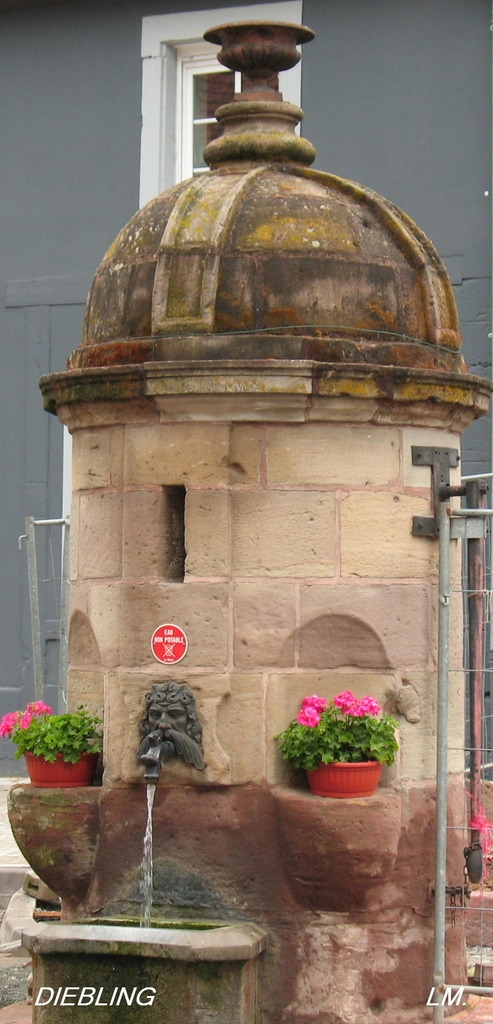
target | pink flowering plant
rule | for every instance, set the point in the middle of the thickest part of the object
(37, 730)
(343, 729)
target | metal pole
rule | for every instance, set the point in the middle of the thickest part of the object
(491, 224)
(32, 571)
(442, 764)
(477, 476)
(63, 635)
(30, 538)
(475, 498)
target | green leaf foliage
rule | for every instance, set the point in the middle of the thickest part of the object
(339, 736)
(71, 734)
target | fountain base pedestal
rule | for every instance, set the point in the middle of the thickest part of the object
(204, 974)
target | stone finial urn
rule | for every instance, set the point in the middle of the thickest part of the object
(263, 347)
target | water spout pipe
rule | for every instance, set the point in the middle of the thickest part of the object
(170, 728)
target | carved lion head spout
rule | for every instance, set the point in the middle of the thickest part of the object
(170, 728)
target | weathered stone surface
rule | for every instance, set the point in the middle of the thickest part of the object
(57, 831)
(250, 376)
(417, 740)
(240, 714)
(321, 455)
(212, 839)
(243, 462)
(351, 830)
(100, 535)
(456, 611)
(343, 409)
(201, 609)
(286, 691)
(173, 287)
(352, 977)
(232, 407)
(83, 645)
(181, 454)
(97, 458)
(79, 595)
(292, 390)
(374, 295)
(148, 539)
(227, 836)
(456, 724)
(195, 972)
(283, 533)
(125, 703)
(208, 533)
(174, 455)
(221, 941)
(330, 641)
(228, 705)
(86, 687)
(376, 538)
(420, 476)
(112, 410)
(407, 702)
(372, 637)
(105, 617)
(285, 432)
(74, 537)
(397, 616)
(210, 861)
(451, 414)
(264, 624)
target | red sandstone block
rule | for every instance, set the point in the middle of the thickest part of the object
(18, 1013)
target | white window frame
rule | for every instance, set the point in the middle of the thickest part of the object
(192, 59)
(162, 37)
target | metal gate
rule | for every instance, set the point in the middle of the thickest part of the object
(466, 902)
(48, 602)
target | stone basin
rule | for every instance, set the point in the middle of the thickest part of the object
(171, 972)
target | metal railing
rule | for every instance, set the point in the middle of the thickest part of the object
(469, 525)
(59, 580)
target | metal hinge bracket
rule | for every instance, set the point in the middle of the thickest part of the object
(441, 460)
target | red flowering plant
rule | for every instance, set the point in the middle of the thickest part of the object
(37, 730)
(343, 729)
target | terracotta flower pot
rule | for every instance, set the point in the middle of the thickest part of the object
(345, 780)
(61, 773)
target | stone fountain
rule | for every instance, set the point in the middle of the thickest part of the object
(264, 346)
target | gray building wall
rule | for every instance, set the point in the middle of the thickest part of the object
(397, 96)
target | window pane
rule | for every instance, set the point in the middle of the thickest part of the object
(202, 134)
(210, 91)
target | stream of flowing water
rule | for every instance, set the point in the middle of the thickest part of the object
(146, 866)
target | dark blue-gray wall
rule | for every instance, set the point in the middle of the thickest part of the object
(397, 96)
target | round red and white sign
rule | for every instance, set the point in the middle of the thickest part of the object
(169, 644)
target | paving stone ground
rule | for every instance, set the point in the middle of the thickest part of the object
(14, 970)
(12, 863)
(14, 977)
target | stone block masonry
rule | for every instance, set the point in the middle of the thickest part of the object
(299, 566)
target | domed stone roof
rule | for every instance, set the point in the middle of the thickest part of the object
(272, 261)
(265, 258)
